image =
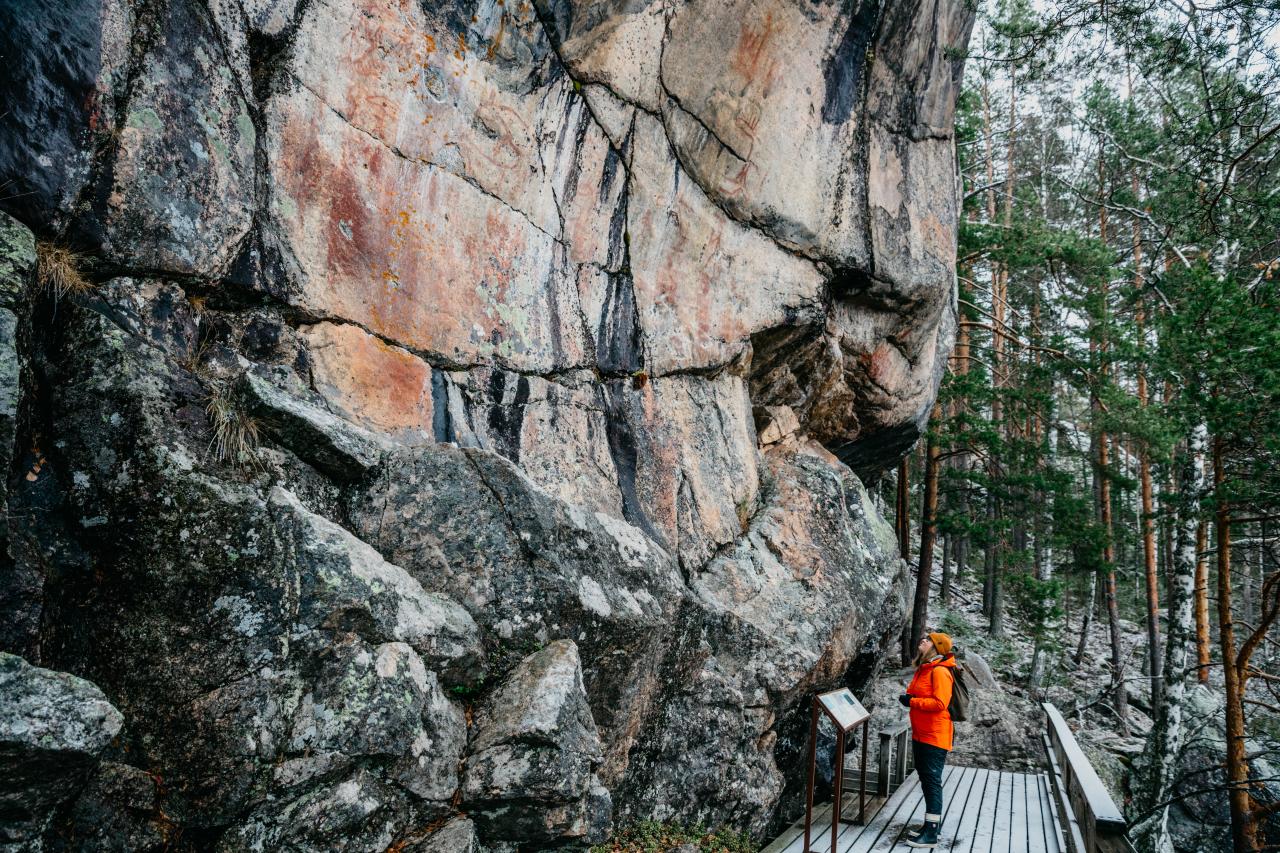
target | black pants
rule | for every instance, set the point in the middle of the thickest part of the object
(929, 761)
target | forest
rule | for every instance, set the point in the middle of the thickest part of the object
(1105, 450)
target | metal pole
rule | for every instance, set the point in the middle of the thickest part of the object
(835, 814)
(813, 765)
(862, 786)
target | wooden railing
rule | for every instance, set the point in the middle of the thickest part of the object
(1094, 823)
(894, 762)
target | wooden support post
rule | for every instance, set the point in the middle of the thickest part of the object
(862, 783)
(846, 714)
(813, 764)
(835, 809)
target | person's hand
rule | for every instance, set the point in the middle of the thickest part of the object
(905, 700)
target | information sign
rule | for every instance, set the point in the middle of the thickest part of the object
(843, 708)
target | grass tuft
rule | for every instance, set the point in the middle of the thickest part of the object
(58, 270)
(235, 433)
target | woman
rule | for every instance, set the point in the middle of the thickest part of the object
(928, 696)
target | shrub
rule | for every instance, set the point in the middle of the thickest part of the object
(955, 626)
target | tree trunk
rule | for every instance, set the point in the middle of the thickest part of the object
(996, 627)
(928, 535)
(1000, 376)
(1046, 511)
(903, 525)
(1164, 747)
(1118, 691)
(1245, 588)
(1037, 665)
(1149, 563)
(947, 549)
(989, 559)
(1204, 649)
(904, 512)
(1089, 605)
(1146, 519)
(1243, 831)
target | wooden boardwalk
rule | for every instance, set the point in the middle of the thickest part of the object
(984, 811)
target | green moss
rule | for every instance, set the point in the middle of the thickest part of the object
(651, 836)
(244, 125)
(146, 119)
(284, 205)
(466, 692)
(503, 656)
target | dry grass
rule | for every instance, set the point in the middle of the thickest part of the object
(235, 433)
(194, 360)
(58, 270)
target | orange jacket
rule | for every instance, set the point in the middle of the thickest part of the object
(930, 692)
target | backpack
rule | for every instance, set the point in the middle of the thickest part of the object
(958, 707)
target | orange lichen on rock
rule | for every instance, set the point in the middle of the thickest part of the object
(374, 384)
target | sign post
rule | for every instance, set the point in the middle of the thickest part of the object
(846, 713)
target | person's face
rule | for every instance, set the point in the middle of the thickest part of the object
(925, 648)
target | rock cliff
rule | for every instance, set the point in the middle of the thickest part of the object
(441, 424)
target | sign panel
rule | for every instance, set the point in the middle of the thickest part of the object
(843, 708)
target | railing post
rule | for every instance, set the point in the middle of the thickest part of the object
(900, 760)
(882, 764)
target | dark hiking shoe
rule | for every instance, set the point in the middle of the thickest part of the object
(914, 832)
(928, 837)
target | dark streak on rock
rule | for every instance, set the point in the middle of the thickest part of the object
(506, 419)
(843, 69)
(619, 346)
(575, 164)
(868, 456)
(622, 450)
(441, 422)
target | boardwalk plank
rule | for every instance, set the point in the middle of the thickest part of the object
(894, 830)
(821, 827)
(902, 811)
(1054, 840)
(954, 797)
(959, 806)
(1018, 815)
(984, 832)
(984, 811)
(998, 838)
(981, 841)
(794, 834)
(855, 836)
(977, 803)
(820, 841)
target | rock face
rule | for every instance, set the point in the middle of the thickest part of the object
(466, 404)
(535, 740)
(53, 729)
